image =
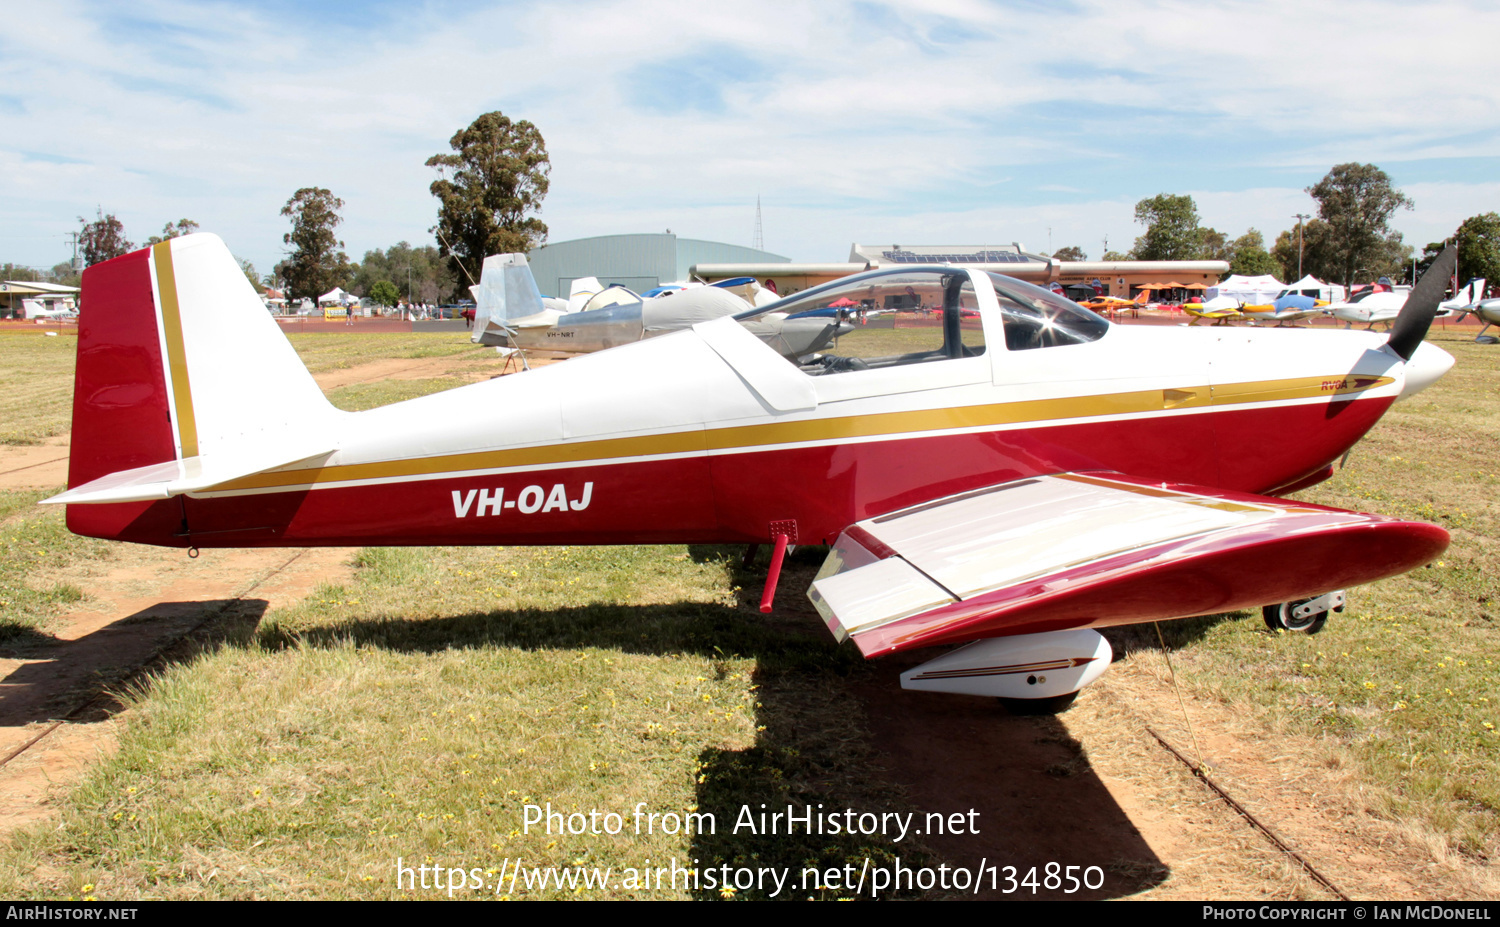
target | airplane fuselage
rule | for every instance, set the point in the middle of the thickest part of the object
(669, 440)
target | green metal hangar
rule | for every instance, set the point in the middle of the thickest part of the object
(637, 261)
(1118, 278)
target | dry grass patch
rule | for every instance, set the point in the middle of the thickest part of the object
(35, 541)
(38, 400)
(362, 396)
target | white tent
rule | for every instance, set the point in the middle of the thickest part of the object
(1317, 289)
(1250, 291)
(337, 295)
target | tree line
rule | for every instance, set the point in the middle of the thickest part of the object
(492, 182)
(1349, 240)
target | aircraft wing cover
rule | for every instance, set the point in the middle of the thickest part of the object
(687, 308)
(1084, 550)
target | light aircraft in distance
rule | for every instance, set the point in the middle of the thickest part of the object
(1221, 309)
(1293, 307)
(510, 313)
(1369, 308)
(1488, 312)
(1023, 478)
(1467, 295)
(1109, 305)
(37, 309)
(1374, 307)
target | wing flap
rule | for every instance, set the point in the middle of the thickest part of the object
(1082, 550)
(880, 592)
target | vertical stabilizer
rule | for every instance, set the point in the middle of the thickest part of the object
(506, 291)
(183, 381)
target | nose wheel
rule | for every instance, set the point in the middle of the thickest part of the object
(1306, 616)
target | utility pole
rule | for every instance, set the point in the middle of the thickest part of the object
(74, 237)
(1299, 217)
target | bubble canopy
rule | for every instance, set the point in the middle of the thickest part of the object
(895, 305)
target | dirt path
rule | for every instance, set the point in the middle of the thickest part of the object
(139, 602)
(35, 466)
(1093, 787)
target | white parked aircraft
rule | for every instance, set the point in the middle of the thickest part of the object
(1369, 308)
(1467, 296)
(510, 312)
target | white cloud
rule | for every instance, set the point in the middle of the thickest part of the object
(939, 121)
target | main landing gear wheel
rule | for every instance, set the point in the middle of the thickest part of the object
(1303, 615)
(1055, 705)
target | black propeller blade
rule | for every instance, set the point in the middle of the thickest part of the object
(1416, 316)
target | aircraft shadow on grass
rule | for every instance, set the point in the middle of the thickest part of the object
(89, 679)
(832, 730)
(828, 732)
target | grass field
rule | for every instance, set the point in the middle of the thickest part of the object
(414, 715)
(322, 352)
(361, 396)
(38, 402)
(414, 712)
(34, 539)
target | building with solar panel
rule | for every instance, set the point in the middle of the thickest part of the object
(644, 261)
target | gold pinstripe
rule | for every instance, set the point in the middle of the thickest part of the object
(171, 318)
(885, 424)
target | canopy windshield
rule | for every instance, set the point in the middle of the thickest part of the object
(903, 289)
(1038, 318)
(878, 320)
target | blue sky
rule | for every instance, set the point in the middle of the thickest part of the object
(927, 121)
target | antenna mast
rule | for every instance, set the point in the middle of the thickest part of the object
(759, 242)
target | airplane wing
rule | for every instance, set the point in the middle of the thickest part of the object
(1076, 550)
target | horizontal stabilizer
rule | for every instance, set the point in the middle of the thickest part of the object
(1078, 550)
(191, 474)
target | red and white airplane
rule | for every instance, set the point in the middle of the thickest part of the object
(1035, 474)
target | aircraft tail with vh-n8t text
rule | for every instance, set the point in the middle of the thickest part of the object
(184, 381)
